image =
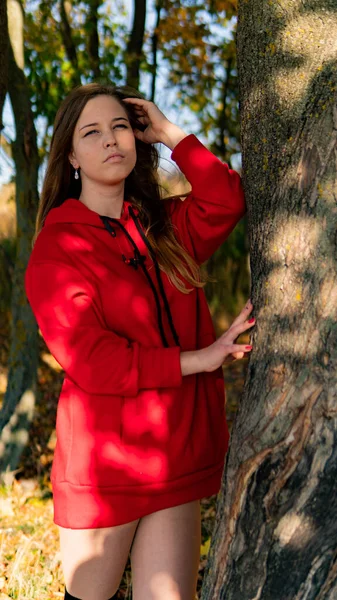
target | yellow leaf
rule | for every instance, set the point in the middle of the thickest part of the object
(205, 547)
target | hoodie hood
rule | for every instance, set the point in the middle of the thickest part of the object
(74, 211)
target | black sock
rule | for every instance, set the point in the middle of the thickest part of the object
(68, 596)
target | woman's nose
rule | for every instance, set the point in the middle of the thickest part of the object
(109, 139)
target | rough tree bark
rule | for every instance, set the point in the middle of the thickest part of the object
(275, 536)
(4, 56)
(19, 400)
(134, 50)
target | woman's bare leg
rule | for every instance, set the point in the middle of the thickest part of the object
(93, 560)
(165, 554)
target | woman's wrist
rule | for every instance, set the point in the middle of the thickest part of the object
(172, 135)
(190, 362)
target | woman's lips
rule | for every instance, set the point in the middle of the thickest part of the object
(116, 158)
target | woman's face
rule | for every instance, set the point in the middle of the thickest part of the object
(102, 130)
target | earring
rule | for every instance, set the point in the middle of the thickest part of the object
(76, 174)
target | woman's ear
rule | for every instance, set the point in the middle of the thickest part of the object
(73, 160)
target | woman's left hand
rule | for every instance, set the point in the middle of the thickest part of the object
(158, 127)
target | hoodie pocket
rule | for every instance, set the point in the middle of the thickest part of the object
(94, 456)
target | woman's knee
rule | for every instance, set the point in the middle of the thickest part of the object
(93, 560)
(87, 581)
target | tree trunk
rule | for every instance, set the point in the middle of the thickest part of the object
(19, 401)
(134, 51)
(275, 536)
(69, 44)
(93, 39)
(219, 147)
(4, 56)
(158, 7)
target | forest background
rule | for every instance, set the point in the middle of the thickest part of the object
(181, 55)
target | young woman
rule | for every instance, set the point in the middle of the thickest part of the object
(114, 282)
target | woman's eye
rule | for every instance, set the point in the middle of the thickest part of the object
(92, 131)
(96, 130)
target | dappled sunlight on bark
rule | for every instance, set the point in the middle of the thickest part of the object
(304, 38)
(295, 530)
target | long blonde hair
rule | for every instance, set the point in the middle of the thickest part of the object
(141, 186)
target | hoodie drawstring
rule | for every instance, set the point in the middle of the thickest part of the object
(158, 275)
(139, 259)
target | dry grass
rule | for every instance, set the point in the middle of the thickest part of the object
(30, 561)
(30, 566)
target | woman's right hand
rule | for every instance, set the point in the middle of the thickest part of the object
(223, 350)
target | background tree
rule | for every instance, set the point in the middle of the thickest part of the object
(134, 50)
(69, 43)
(201, 59)
(276, 524)
(19, 399)
(154, 49)
(4, 262)
(4, 56)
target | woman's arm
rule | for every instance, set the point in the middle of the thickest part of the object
(216, 203)
(99, 361)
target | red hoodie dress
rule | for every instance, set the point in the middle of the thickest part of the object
(133, 435)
